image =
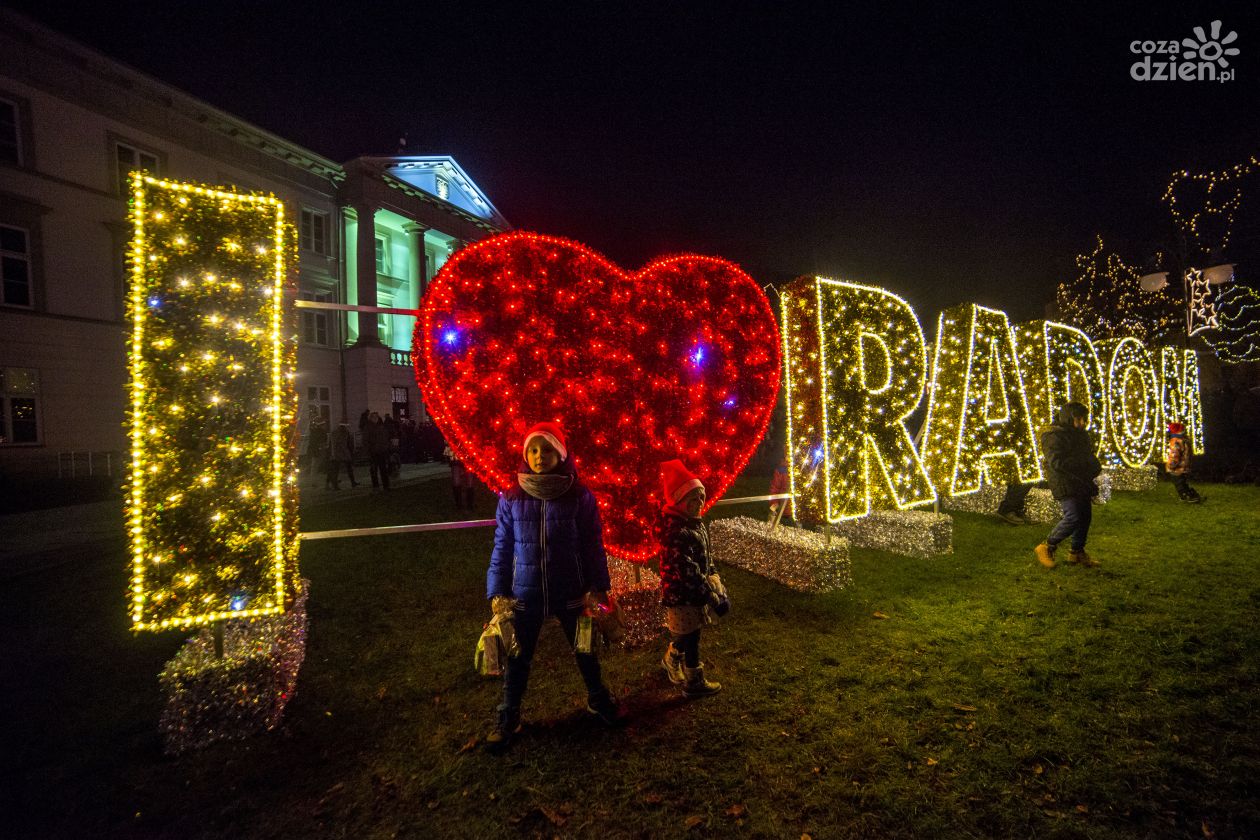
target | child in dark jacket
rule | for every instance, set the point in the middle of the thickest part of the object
(548, 559)
(686, 583)
(1177, 463)
(1071, 467)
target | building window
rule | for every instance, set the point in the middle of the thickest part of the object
(400, 400)
(382, 254)
(19, 406)
(15, 266)
(10, 138)
(130, 158)
(315, 321)
(313, 235)
(320, 397)
(443, 188)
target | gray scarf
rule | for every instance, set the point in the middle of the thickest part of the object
(546, 486)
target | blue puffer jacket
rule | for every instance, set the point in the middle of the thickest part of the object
(548, 569)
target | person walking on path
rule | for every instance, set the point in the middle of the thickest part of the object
(461, 481)
(341, 451)
(317, 448)
(1071, 467)
(548, 560)
(376, 442)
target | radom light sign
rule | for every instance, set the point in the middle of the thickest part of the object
(858, 365)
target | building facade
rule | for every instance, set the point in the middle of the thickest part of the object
(73, 124)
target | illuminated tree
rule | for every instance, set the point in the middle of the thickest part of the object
(1105, 301)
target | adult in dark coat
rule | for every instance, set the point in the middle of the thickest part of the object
(1071, 467)
(376, 442)
(341, 451)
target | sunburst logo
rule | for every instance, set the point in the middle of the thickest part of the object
(1210, 49)
(1203, 58)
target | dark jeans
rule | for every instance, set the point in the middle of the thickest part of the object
(1182, 483)
(688, 644)
(1013, 501)
(1078, 511)
(527, 625)
(380, 467)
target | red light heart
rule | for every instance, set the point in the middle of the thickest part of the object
(678, 360)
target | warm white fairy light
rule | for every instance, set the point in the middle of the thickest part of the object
(978, 425)
(187, 431)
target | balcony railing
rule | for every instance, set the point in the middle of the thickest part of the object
(402, 358)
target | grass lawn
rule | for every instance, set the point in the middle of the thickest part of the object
(996, 699)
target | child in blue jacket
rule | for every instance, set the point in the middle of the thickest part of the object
(548, 559)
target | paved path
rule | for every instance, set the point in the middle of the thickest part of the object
(40, 539)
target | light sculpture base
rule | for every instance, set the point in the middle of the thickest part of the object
(799, 559)
(211, 699)
(914, 533)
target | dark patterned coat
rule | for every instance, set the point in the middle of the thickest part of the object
(685, 560)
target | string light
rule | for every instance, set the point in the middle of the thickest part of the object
(978, 426)
(211, 508)
(677, 360)
(856, 366)
(1133, 400)
(1215, 207)
(1236, 337)
(1106, 301)
(1059, 364)
(1181, 399)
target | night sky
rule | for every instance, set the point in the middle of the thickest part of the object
(947, 157)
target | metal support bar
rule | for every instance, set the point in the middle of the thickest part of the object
(390, 530)
(353, 307)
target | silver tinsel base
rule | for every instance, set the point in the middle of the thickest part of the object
(1133, 479)
(799, 559)
(1039, 506)
(638, 590)
(916, 533)
(210, 699)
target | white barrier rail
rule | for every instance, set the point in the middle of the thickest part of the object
(390, 530)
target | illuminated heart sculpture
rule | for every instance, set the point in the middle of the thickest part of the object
(678, 360)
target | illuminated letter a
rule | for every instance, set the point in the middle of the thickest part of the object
(978, 424)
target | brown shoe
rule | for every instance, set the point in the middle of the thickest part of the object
(1045, 555)
(1081, 558)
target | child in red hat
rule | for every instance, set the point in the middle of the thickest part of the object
(548, 559)
(1177, 463)
(689, 581)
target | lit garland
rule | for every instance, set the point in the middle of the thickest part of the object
(978, 425)
(1236, 337)
(244, 692)
(678, 360)
(855, 371)
(1105, 300)
(1181, 401)
(1215, 208)
(212, 502)
(1133, 400)
(1059, 365)
(799, 559)
(914, 533)
(1132, 479)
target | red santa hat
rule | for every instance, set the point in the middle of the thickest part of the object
(553, 435)
(1176, 429)
(677, 481)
